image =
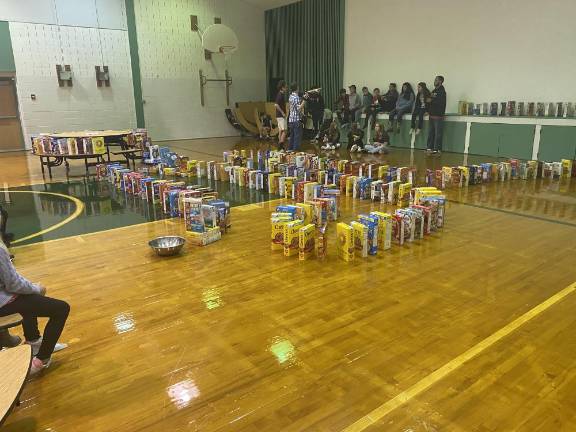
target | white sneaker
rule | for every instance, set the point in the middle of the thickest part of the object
(331, 147)
(354, 148)
(37, 365)
(338, 145)
(325, 147)
(36, 346)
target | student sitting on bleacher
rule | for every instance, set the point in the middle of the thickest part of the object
(343, 108)
(375, 108)
(403, 105)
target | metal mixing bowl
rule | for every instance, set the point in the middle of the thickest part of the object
(168, 245)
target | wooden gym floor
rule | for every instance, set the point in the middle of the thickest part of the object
(470, 330)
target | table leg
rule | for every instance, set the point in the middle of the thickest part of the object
(49, 167)
(42, 164)
(86, 165)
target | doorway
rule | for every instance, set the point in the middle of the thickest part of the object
(10, 127)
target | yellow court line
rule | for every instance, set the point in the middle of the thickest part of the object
(403, 397)
(165, 221)
(77, 212)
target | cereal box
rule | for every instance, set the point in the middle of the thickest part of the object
(291, 237)
(360, 239)
(566, 168)
(306, 213)
(371, 223)
(409, 224)
(345, 234)
(193, 217)
(404, 194)
(98, 146)
(277, 235)
(398, 229)
(384, 229)
(306, 241)
(210, 235)
(393, 192)
(321, 242)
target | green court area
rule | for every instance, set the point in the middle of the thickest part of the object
(50, 209)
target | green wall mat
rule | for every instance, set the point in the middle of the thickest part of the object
(557, 142)
(454, 137)
(6, 53)
(502, 140)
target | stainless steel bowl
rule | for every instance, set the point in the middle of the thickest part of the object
(168, 245)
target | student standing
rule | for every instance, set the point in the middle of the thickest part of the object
(295, 117)
(315, 105)
(366, 103)
(403, 105)
(437, 112)
(280, 105)
(354, 103)
(420, 107)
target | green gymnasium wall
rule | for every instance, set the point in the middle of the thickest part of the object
(6, 53)
(557, 142)
(305, 43)
(502, 140)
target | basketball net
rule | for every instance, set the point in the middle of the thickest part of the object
(227, 51)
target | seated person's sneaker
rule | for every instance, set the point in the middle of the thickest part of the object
(38, 365)
(7, 340)
(354, 148)
(337, 145)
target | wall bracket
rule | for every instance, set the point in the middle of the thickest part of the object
(204, 80)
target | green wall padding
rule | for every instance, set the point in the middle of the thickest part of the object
(135, 62)
(502, 140)
(6, 53)
(454, 137)
(305, 44)
(557, 142)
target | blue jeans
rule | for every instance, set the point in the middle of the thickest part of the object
(295, 135)
(435, 134)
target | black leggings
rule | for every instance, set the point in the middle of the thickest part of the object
(32, 306)
(371, 114)
(418, 112)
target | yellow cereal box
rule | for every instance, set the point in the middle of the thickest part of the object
(273, 183)
(306, 241)
(350, 181)
(360, 239)
(277, 236)
(384, 229)
(566, 168)
(383, 172)
(308, 214)
(404, 194)
(291, 237)
(289, 187)
(98, 146)
(345, 234)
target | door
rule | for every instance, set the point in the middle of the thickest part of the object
(10, 128)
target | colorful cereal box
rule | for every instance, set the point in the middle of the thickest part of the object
(277, 235)
(398, 229)
(291, 237)
(345, 234)
(371, 223)
(306, 241)
(384, 229)
(360, 238)
(404, 194)
(321, 242)
(306, 213)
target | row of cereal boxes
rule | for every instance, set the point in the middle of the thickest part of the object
(45, 144)
(205, 216)
(300, 229)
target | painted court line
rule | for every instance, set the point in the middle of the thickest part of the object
(431, 379)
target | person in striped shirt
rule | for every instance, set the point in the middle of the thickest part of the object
(295, 117)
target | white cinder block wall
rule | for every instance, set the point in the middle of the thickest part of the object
(171, 56)
(83, 34)
(488, 51)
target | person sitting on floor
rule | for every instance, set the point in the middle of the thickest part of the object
(266, 126)
(380, 143)
(355, 138)
(331, 137)
(18, 295)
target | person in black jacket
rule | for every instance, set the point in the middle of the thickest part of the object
(355, 138)
(420, 107)
(315, 105)
(389, 98)
(437, 112)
